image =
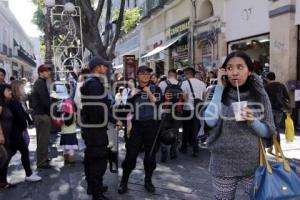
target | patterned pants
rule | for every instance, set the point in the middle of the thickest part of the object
(225, 187)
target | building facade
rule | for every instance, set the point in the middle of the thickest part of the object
(16, 48)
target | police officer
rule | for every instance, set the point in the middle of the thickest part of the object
(94, 127)
(143, 131)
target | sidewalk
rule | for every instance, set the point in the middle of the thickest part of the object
(184, 178)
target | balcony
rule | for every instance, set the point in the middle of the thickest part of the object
(151, 6)
(26, 56)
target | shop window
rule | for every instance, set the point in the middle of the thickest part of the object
(258, 48)
(206, 10)
(206, 54)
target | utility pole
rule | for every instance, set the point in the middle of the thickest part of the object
(48, 35)
(192, 33)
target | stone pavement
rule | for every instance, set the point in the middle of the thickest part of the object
(184, 178)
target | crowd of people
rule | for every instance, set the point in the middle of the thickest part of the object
(151, 110)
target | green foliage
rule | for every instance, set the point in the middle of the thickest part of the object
(38, 16)
(131, 17)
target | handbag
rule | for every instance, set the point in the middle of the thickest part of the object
(26, 137)
(289, 128)
(275, 180)
(197, 101)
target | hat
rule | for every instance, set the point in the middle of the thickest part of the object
(43, 68)
(68, 106)
(95, 61)
(144, 68)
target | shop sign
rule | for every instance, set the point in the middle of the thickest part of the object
(246, 18)
(182, 48)
(179, 28)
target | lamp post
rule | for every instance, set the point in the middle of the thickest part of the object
(192, 33)
(67, 44)
(48, 35)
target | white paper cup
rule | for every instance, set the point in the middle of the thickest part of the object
(237, 109)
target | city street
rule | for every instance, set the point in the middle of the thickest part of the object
(184, 178)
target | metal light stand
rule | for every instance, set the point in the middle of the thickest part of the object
(67, 40)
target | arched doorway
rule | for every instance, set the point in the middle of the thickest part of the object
(205, 10)
(206, 35)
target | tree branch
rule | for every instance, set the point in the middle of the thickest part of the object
(87, 10)
(99, 9)
(108, 26)
(118, 30)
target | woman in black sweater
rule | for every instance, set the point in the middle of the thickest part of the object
(20, 118)
(6, 118)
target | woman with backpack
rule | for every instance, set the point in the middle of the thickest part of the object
(233, 136)
(68, 138)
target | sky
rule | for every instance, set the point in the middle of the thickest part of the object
(23, 11)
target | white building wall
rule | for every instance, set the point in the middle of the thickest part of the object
(246, 18)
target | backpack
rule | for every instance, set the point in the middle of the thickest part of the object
(282, 103)
(173, 95)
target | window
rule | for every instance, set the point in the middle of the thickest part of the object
(206, 54)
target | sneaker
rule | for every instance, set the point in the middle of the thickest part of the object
(33, 178)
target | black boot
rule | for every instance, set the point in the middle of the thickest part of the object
(103, 189)
(173, 152)
(148, 183)
(100, 197)
(123, 185)
(164, 154)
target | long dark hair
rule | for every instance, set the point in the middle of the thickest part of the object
(249, 83)
(242, 55)
(2, 89)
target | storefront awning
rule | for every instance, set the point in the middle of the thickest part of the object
(164, 46)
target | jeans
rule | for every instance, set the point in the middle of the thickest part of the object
(43, 128)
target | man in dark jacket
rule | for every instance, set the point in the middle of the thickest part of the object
(94, 119)
(144, 129)
(279, 98)
(41, 111)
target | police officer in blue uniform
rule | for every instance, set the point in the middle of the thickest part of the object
(94, 127)
(144, 129)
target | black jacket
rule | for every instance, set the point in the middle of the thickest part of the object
(145, 112)
(19, 118)
(93, 92)
(40, 98)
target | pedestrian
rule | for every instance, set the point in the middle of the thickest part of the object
(94, 127)
(280, 99)
(194, 92)
(234, 144)
(41, 110)
(6, 120)
(20, 121)
(180, 75)
(68, 139)
(171, 81)
(154, 79)
(2, 75)
(144, 101)
(77, 97)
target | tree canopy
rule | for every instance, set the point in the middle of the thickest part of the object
(98, 43)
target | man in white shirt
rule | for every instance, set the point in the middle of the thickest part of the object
(192, 89)
(172, 75)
